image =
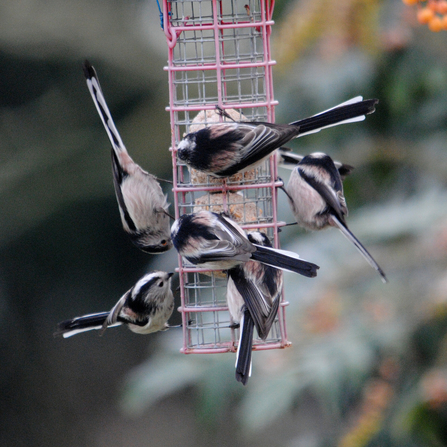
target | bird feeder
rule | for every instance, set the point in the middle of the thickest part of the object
(219, 55)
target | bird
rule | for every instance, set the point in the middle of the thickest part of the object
(224, 149)
(315, 192)
(215, 242)
(143, 206)
(145, 308)
(253, 297)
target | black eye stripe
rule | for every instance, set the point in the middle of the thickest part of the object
(146, 287)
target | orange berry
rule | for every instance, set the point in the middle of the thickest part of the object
(424, 15)
(410, 2)
(435, 24)
(433, 5)
(444, 23)
(442, 7)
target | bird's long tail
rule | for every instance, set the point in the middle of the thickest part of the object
(288, 160)
(244, 349)
(350, 236)
(348, 112)
(284, 260)
(85, 323)
(101, 106)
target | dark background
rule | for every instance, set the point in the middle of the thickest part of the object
(368, 361)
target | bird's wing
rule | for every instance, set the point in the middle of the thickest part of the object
(334, 199)
(226, 229)
(262, 139)
(118, 176)
(115, 312)
(257, 142)
(225, 240)
(217, 250)
(257, 303)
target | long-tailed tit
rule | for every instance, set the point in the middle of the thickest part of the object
(142, 204)
(224, 149)
(315, 192)
(253, 297)
(288, 160)
(145, 308)
(215, 242)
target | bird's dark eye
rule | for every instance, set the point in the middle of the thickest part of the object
(164, 242)
(161, 284)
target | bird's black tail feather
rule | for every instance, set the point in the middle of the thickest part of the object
(102, 108)
(77, 325)
(284, 260)
(348, 112)
(360, 247)
(288, 160)
(243, 359)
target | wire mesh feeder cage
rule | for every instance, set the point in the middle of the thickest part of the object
(219, 55)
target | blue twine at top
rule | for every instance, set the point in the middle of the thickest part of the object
(161, 15)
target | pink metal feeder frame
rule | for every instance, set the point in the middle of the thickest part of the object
(219, 54)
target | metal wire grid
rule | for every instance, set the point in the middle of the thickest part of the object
(209, 328)
(201, 12)
(242, 85)
(254, 205)
(194, 47)
(219, 54)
